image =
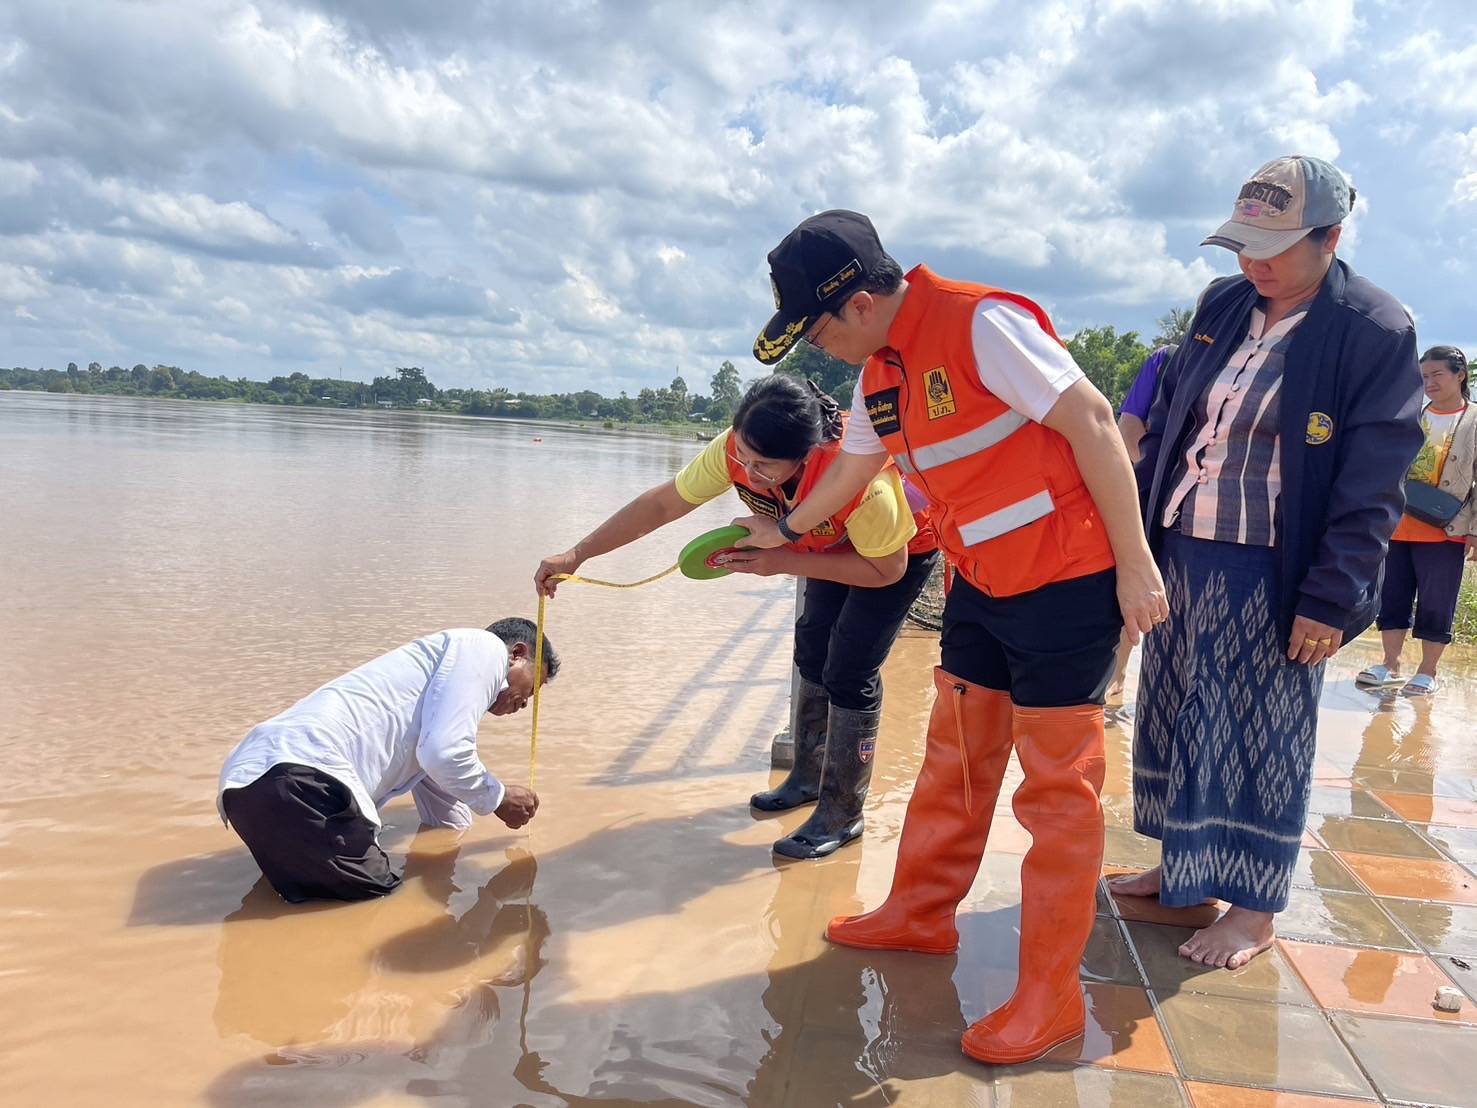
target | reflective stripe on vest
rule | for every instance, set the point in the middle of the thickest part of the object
(1007, 519)
(972, 442)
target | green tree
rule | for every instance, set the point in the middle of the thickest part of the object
(1174, 326)
(831, 374)
(1110, 360)
(726, 394)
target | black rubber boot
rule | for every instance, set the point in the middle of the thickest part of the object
(851, 740)
(808, 725)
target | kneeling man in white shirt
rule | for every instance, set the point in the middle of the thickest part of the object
(303, 789)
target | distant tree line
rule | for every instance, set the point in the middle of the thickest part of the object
(1109, 359)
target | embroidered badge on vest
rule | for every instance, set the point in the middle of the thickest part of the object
(824, 530)
(759, 505)
(882, 410)
(940, 394)
(1320, 428)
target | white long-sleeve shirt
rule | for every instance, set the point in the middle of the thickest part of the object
(406, 721)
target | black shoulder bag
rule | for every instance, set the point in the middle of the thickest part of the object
(1429, 504)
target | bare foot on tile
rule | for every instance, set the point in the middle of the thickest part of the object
(1231, 941)
(1136, 884)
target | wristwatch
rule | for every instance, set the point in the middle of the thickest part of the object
(784, 525)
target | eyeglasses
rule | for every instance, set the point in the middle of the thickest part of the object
(771, 478)
(812, 337)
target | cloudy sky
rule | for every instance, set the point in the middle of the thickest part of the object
(563, 194)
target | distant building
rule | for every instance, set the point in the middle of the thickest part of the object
(423, 402)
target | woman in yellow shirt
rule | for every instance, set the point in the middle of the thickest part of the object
(1423, 570)
(864, 567)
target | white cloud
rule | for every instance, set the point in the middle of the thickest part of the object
(575, 194)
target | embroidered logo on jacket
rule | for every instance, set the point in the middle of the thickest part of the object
(1320, 428)
(882, 410)
(759, 505)
(940, 394)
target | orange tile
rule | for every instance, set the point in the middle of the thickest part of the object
(1122, 1033)
(1413, 878)
(1203, 1095)
(1377, 981)
(1432, 809)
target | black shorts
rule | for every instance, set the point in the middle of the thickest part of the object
(1052, 647)
(306, 831)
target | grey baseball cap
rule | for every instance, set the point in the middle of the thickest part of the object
(1283, 201)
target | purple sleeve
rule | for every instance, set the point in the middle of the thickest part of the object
(1140, 396)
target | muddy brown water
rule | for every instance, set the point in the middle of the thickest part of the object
(172, 573)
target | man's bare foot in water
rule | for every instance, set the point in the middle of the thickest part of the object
(1231, 941)
(1136, 884)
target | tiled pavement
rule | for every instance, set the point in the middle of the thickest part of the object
(1340, 1011)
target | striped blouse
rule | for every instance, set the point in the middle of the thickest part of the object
(1227, 484)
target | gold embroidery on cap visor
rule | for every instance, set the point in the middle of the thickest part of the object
(772, 350)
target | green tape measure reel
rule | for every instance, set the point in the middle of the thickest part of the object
(696, 559)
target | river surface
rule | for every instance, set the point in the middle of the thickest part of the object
(172, 573)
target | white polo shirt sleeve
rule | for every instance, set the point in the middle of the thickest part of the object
(1017, 361)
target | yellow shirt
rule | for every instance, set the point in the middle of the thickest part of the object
(882, 523)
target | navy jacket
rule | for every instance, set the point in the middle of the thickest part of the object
(1351, 402)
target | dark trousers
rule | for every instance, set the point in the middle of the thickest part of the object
(307, 833)
(843, 636)
(1426, 576)
(1052, 647)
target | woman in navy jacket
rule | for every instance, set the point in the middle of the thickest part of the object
(1271, 480)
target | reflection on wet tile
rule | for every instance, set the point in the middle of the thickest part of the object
(1446, 1072)
(1240, 1042)
(1082, 1087)
(1354, 919)
(830, 1068)
(1413, 878)
(1123, 847)
(1375, 981)
(1371, 836)
(1107, 957)
(1147, 909)
(1321, 869)
(1415, 781)
(1122, 1033)
(1232, 1096)
(1266, 977)
(1428, 809)
(1459, 843)
(1448, 928)
(1328, 800)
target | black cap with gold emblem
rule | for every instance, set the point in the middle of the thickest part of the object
(817, 266)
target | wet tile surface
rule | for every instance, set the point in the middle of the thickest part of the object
(1203, 1095)
(1371, 836)
(1354, 919)
(1267, 977)
(1413, 1061)
(1081, 1087)
(1372, 981)
(1457, 843)
(1413, 878)
(1238, 1042)
(1448, 928)
(1321, 869)
(1331, 800)
(1432, 809)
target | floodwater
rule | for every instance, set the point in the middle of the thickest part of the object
(172, 573)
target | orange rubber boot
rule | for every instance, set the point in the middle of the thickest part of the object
(1061, 752)
(946, 826)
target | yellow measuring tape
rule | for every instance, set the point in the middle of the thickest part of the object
(538, 649)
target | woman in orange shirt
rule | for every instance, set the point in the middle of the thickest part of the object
(1423, 570)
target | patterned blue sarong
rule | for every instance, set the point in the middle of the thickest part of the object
(1226, 730)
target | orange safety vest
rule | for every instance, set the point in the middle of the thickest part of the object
(1008, 501)
(830, 533)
